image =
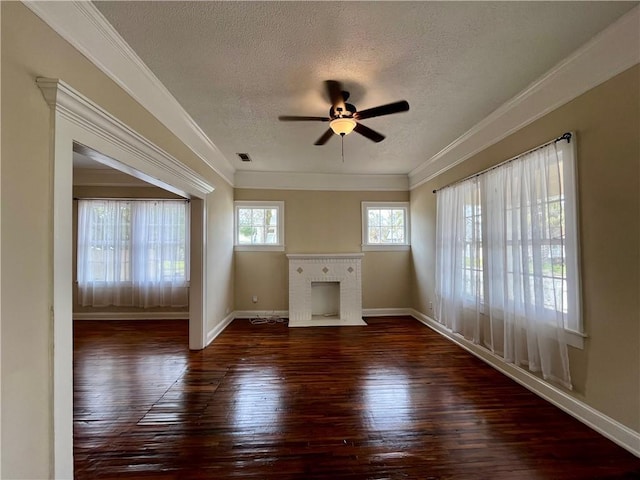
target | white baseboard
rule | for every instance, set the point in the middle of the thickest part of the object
(327, 322)
(612, 429)
(366, 312)
(217, 330)
(131, 316)
(261, 313)
(387, 312)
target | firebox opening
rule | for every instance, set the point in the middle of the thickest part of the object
(325, 300)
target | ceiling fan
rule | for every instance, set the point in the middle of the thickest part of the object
(343, 117)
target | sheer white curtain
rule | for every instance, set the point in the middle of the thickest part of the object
(133, 253)
(459, 279)
(518, 305)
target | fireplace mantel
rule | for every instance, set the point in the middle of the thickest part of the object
(312, 256)
(308, 269)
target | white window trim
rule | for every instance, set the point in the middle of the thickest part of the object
(368, 247)
(575, 339)
(279, 205)
(572, 227)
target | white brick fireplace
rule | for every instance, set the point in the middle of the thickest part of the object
(307, 271)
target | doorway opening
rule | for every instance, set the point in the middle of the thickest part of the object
(77, 120)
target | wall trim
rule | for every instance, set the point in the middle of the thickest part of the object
(609, 53)
(82, 316)
(320, 181)
(387, 312)
(366, 312)
(219, 328)
(141, 153)
(88, 31)
(261, 313)
(612, 429)
(74, 120)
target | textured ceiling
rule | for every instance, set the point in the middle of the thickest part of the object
(236, 66)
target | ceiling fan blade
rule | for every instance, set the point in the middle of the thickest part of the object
(325, 137)
(369, 133)
(334, 89)
(396, 107)
(294, 118)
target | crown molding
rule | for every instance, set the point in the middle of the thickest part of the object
(88, 31)
(609, 53)
(320, 181)
(79, 110)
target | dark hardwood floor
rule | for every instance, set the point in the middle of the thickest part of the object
(392, 400)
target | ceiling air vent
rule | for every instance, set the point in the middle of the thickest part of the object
(244, 157)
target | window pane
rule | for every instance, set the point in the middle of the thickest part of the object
(245, 235)
(374, 234)
(258, 235)
(272, 216)
(399, 235)
(257, 216)
(244, 216)
(386, 218)
(398, 218)
(271, 236)
(374, 218)
(385, 234)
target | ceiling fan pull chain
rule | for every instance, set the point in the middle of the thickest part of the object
(342, 139)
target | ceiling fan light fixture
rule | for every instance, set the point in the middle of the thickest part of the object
(342, 125)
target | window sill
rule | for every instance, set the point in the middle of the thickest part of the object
(385, 248)
(259, 248)
(575, 339)
(572, 337)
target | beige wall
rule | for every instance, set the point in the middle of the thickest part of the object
(606, 119)
(219, 251)
(321, 222)
(31, 49)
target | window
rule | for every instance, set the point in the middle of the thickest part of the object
(259, 225)
(542, 242)
(133, 252)
(507, 259)
(472, 270)
(385, 225)
(525, 212)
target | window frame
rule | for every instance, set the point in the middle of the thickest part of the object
(575, 333)
(257, 247)
(366, 245)
(573, 328)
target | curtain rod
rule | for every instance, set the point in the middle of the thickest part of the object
(565, 136)
(130, 199)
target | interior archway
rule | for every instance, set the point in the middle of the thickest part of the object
(77, 120)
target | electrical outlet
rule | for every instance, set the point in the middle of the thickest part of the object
(430, 305)
(254, 299)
